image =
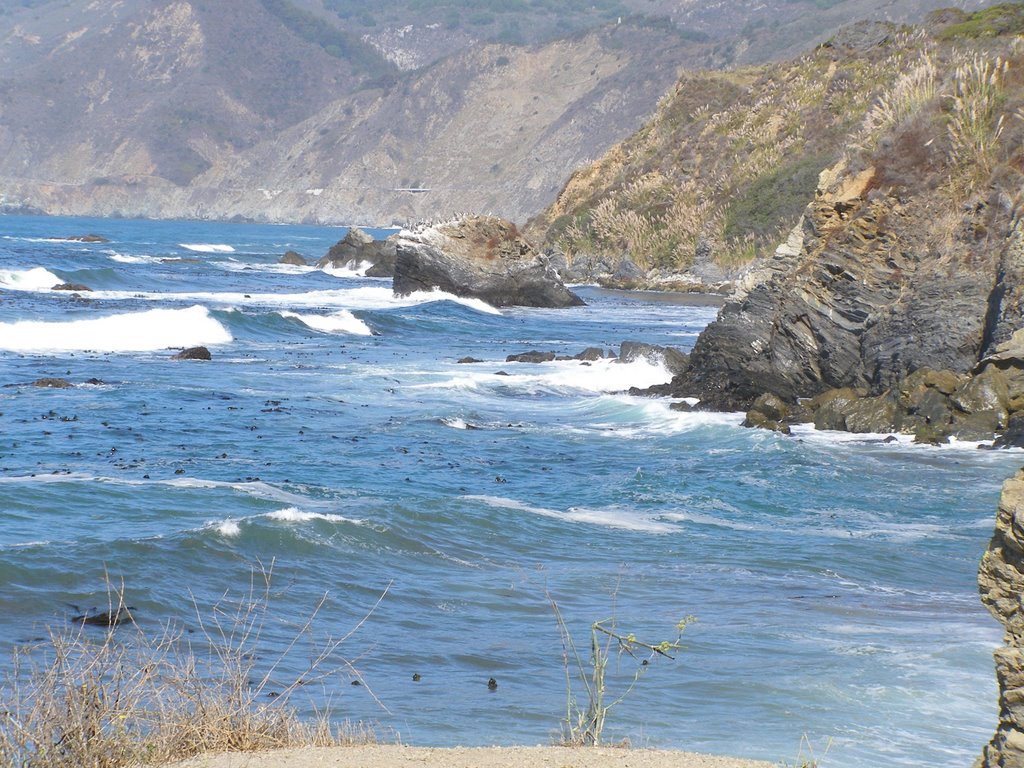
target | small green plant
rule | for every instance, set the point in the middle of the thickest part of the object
(584, 722)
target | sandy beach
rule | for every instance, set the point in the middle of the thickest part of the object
(392, 756)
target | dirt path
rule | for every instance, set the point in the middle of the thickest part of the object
(461, 757)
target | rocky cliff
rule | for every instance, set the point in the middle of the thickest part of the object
(1001, 581)
(910, 256)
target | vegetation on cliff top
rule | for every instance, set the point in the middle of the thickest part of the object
(731, 159)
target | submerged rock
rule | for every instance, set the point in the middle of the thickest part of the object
(88, 238)
(358, 248)
(532, 356)
(194, 353)
(590, 354)
(293, 258)
(52, 383)
(77, 287)
(673, 359)
(1001, 584)
(482, 257)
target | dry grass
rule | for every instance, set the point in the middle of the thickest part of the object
(110, 696)
(909, 93)
(974, 125)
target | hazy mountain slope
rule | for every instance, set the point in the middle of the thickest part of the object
(492, 128)
(143, 89)
(412, 34)
(278, 109)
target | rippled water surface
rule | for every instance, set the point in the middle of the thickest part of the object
(335, 436)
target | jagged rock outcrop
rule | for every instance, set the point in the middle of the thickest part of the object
(359, 248)
(293, 258)
(866, 299)
(674, 360)
(1001, 583)
(482, 257)
(933, 406)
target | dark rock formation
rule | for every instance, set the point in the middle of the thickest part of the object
(88, 239)
(468, 360)
(768, 412)
(847, 410)
(52, 383)
(627, 275)
(590, 354)
(357, 248)
(673, 359)
(77, 287)
(482, 257)
(193, 353)
(582, 268)
(293, 258)
(531, 357)
(1001, 583)
(108, 619)
(859, 298)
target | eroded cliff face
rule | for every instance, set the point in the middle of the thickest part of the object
(873, 285)
(1001, 581)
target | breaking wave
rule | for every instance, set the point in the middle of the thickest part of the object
(130, 332)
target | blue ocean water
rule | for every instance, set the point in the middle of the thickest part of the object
(335, 436)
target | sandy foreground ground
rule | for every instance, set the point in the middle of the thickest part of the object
(388, 756)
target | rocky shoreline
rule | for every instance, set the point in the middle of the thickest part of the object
(1001, 582)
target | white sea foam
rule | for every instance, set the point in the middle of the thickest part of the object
(255, 488)
(35, 279)
(457, 423)
(698, 518)
(364, 297)
(123, 258)
(136, 258)
(296, 515)
(207, 247)
(229, 528)
(825, 436)
(563, 376)
(130, 332)
(612, 517)
(351, 269)
(233, 265)
(341, 321)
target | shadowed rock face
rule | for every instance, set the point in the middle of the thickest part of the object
(358, 248)
(1001, 581)
(480, 257)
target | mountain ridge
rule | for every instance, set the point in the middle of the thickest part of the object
(170, 108)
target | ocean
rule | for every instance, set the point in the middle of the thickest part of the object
(435, 509)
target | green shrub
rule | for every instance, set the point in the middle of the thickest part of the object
(1002, 19)
(773, 199)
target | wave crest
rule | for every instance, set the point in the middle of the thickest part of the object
(130, 332)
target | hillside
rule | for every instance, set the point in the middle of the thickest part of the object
(730, 160)
(894, 303)
(323, 110)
